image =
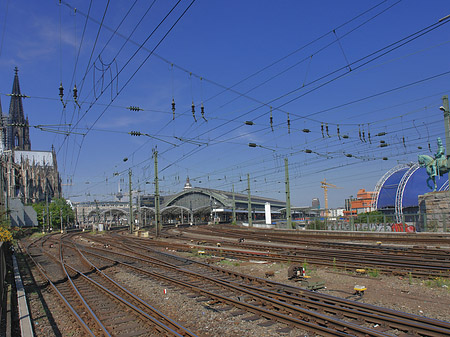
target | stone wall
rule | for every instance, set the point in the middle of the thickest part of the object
(435, 210)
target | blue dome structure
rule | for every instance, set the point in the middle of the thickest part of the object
(400, 187)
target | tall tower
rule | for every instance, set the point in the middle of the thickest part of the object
(19, 132)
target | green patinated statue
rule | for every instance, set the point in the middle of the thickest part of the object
(436, 166)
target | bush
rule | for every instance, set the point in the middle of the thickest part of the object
(5, 235)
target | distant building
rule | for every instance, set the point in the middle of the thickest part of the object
(315, 203)
(362, 204)
(28, 175)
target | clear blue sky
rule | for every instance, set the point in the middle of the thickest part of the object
(359, 66)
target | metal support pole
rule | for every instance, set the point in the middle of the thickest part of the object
(61, 218)
(288, 195)
(48, 218)
(157, 218)
(250, 220)
(447, 140)
(234, 208)
(130, 202)
(139, 208)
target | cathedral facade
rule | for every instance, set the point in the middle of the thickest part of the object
(28, 175)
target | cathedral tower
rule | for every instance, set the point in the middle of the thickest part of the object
(18, 128)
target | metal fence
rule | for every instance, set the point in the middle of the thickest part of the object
(417, 222)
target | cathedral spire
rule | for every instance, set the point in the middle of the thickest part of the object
(19, 137)
(16, 107)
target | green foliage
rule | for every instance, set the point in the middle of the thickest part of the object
(438, 282)
(372, 217)
(317, 225)
(56, 208)
(229, 263)
(373, 272)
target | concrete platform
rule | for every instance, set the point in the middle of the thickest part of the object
(26, 328)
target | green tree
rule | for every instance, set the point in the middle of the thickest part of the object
(372, 217)
(57, 208)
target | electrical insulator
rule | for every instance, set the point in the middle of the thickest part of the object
(271, 119)
(368, 135)
(349, 155)
(252, 144)
(345, 136)
(383, 145)
(359, 129)
(202, 110)
(61, 94)
(75, 95)
(289, 124)
(381, 134)
(385, 158)
(404, 143)
(308, 151)
(419, 147)
(338, 132)
(193, 110)
(173, 108)
(364, 136)
(134, 108)
(306, 130)
(326, 128)
(248, 123)
(321, 128)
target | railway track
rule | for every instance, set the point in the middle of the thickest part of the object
(101, 306)
(428, 238)
(417, 261)
(323, 314)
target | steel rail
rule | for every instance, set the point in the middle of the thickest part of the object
(327, 259)
(61, 297)
(66, 302)
(399, 320)
(124, 301)
(406, 324)
(306, 238)
(342, 328)
(176, 328)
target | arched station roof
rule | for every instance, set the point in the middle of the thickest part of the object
(400, 187)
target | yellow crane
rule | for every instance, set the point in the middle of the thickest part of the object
(325, 187)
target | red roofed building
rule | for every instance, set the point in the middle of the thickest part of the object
(362, 203)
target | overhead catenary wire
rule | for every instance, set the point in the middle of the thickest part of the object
(147, 57)
(345, 128)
